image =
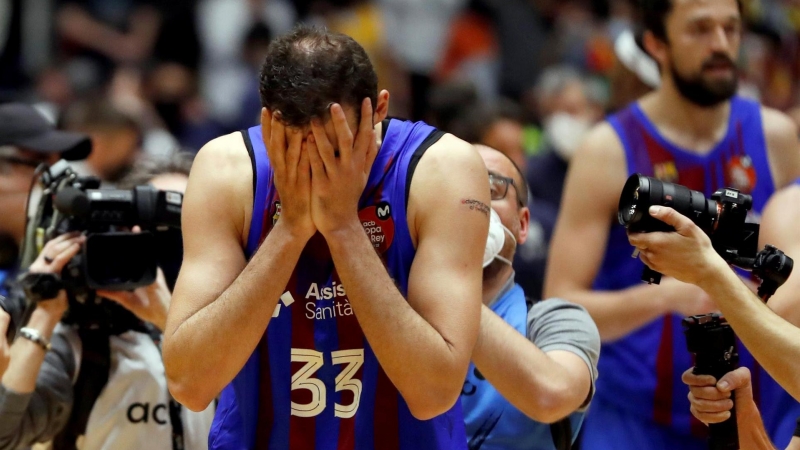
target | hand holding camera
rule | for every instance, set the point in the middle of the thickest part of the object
(42, 283)
(149, 303)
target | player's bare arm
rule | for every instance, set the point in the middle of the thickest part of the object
(783, 146)
(589, 207)
(779, 228)
(544, 386)
(423, 344)
(222, 304)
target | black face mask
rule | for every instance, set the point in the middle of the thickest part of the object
(170, 256)
(702, 93)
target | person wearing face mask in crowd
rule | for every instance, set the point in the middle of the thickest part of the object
(534, 364)
(570, 104)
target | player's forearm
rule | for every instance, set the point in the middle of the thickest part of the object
(773, 341)
(423, 366)
(752, 435)
(27, 356)
(618, 313)
(526, 376)
(208, 349)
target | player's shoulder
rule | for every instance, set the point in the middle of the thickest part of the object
(777, 125)
(451, 156)
(223, 169)
(602, 140)
(226, 152)
(783, 148)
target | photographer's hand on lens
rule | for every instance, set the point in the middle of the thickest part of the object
(711, 399)
(338, 182)
(149, 303)
(52, 259)
(685, 254)
(292, 173)
(5, 355)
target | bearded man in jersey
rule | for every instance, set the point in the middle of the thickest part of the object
(693, 130)
(331, 284)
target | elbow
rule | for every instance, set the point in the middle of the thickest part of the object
(186, 389)
(189, 394)
(552, 407)
(433, 403)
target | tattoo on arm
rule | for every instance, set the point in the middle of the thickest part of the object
(476, 205)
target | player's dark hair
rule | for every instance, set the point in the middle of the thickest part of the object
(310, 68)
(654, 16)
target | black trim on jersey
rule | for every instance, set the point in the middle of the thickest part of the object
(249, 144)
(423, 147)
(384, 127)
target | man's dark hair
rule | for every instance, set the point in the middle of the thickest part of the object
(310, 68)
(521, 183)
(654, 16)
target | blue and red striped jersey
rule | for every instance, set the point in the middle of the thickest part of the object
(641, 373)
(314, 382)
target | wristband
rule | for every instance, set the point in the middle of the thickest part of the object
(34, 335)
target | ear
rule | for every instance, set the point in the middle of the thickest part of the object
(266, 124)
(524, 225)
(382, 109)
(657, 49)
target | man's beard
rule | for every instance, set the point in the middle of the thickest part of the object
(703, 93)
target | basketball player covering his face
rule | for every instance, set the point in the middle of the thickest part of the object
(331, 286)
(693, 130)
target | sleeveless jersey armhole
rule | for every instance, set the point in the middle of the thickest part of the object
(418, 153)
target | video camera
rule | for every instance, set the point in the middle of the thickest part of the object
(723, 218)
(114, 257)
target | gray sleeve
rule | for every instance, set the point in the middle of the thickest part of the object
(560, 325)
(26, 419)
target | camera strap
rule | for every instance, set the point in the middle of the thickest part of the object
(92, 378)
(560, 431)
(175, 408)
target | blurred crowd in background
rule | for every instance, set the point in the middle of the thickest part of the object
(527, 77)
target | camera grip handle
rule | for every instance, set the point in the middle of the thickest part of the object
(723, 435)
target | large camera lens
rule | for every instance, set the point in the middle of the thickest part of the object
(641, 192)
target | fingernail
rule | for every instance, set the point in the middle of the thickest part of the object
(723, 385)
(655, 209)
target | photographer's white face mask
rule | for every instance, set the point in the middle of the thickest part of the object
(496, 240)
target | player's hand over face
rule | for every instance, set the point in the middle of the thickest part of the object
(52, 259)
(292, 174)
(337, 183)
(685, 254)
(711, 400)
(149, 303)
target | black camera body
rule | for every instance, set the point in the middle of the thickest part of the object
(722, 217)
(114, 257)
(713, 343)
